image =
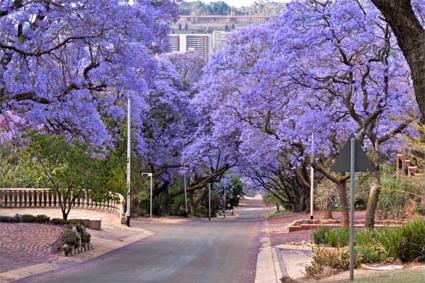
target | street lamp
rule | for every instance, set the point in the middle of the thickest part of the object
(185, 189)
(185, 193)
(312, 178)
(209, 202)
(150, 194)
(128, 159)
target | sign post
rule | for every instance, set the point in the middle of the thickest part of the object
(352, 159)
(352, 187)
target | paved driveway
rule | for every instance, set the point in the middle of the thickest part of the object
(221, 251)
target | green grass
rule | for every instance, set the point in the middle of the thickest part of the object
(399, 276)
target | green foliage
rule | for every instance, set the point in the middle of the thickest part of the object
(27, 218)
(70, 238)
(412, 244)
(334, 237)
(337, 258)
(201, 211)
(41, 218)
(67, 168)
(405, 243)
(10, 219)
(396, 195)
(237, 189)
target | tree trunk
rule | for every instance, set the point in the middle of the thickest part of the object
(65, 213)
(372, 201)
(343, 203)
(328, 213)
(411, 38)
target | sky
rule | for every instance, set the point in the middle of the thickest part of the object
(236, 3)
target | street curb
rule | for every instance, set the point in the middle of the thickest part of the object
(268, 268)
(63, 261)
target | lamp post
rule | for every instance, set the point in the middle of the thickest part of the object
(128, 159)
(150, 192)
(209, 202)
(185, 190)
(312, 179)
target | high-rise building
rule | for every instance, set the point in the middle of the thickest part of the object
(201, 44)
(219, 38)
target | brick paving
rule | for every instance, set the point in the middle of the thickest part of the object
(23, 244)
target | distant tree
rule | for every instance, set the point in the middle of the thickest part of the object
(219, 8)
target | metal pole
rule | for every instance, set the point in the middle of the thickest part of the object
(185, 192)
(209, 202)
(224, 205)
(128, 158)
(352, 185)
(150, 197)
(312, 179)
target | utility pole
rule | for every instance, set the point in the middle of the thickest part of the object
(128, 159)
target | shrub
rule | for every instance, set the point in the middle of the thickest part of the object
(70, 238)
(412, 244)
(201, 211)
(406, 243)
(10, 219)
(337, 258)
(371, 253)
(27, 218)
(41, 218)
(59, 221)
(334, 237)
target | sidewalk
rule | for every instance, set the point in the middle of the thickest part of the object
(278, 259)
(112, 236)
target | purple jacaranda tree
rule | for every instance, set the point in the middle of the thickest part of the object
(66, 65)
(349, 65)
(331, 69)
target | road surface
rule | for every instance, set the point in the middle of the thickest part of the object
(220, 251)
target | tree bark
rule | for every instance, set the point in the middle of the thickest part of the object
(343, 202)
(411, 38)
(328, 212)
(372, 200)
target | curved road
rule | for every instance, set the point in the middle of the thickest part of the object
(220, 251)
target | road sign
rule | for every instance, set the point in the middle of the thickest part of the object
(342, 162)
(352, 159)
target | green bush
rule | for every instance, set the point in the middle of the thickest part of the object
(371, 253)
(59, 221)
(406, 243)
(70, 238)
(336, 258)
(201, 211)
(41, 218)
(27, 218)
(334, 237)
(10, 219)
(412, 244)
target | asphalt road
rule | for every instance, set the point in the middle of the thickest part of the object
(221, 251)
